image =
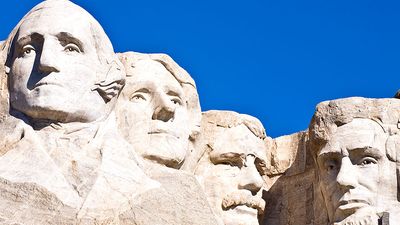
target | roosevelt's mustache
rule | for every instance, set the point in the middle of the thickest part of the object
(243, 198)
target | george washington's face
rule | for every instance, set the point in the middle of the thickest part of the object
(356, 177)
(54, 67)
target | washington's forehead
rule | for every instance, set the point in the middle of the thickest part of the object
(47, 21)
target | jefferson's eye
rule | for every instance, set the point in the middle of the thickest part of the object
(27, 50)
(72, 48)
(367, 161)
(176, 101)
(137, 97)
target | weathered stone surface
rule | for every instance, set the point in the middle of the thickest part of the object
(93, 137)
(161, 98)
(355, 142)
(232, 167)
(65, 156)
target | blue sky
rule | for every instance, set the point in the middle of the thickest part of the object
(271, 59)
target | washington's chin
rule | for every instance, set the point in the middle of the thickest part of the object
(240, 215)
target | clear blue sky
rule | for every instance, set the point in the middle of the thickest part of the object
(271, 59)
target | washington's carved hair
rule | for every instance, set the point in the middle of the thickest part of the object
(111, 73)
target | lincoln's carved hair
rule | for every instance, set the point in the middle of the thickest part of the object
(112, 75)
(330, 115)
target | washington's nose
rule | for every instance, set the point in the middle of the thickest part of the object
(347, 176)
(250, 178)
(164, 110)
(48, 58)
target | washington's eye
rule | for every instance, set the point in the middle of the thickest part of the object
(72, 48)
(28, 49)
(367, 161)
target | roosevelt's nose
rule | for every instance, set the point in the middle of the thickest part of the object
(347, 176)
(48, 57)
(164, 109)
(250, 178)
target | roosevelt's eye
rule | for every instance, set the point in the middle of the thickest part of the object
(367, 161)
(28, 50)
(72, 48)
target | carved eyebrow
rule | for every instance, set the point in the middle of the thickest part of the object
(66, 38)
(28, 38)
(366, 150)
(326, 155)
(143, 90)
(174, 93)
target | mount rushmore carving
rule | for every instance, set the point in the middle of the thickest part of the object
(90, 136)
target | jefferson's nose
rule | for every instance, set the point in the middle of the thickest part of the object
(250, 178)
(347, 176)
(48, 57)
(164, 109)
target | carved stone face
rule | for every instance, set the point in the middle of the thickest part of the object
(356, 177)
(233, 182)
(153, 114)
(54, 67)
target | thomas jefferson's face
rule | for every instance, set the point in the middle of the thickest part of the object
(54, 67)
(356, 177)
(154, 115)
(233, 182)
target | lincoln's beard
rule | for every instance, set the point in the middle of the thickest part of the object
(359, 220)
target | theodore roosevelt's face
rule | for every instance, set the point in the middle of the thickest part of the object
(233, 181)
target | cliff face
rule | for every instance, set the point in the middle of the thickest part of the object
(89, 136)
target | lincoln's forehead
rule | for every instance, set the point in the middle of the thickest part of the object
(358, 134)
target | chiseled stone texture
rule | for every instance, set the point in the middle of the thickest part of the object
(291, 198)
(161, 99)
(355, 142)
(232, 167)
